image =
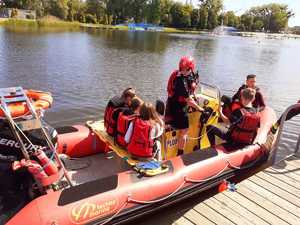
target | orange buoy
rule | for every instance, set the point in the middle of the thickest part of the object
(39, 99)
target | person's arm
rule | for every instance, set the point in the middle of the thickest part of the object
(236, 96)
(156, 131)
(260, 99)
(191, 102)
(129, 133)
(223, 117)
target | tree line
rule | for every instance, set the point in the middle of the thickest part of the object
(207, 15)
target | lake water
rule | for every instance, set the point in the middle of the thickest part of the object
(84, 69)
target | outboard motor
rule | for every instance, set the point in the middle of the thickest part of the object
(10, 151)
(10, 147)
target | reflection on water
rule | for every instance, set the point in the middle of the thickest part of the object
(83, 69)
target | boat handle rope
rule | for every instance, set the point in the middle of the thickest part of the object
(208, 179)
(243, 167)
(208, 131)
(201, 136)
(158, 200)
(117, 213)
(185, 180)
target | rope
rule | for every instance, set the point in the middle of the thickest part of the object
(117, 213)
(242, 167)
(35, 148)
(185, 180)
(208, 179)
(158, 200)
(201, 136)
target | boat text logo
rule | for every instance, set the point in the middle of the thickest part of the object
(87, 211)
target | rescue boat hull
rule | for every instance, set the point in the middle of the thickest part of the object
(124, 194)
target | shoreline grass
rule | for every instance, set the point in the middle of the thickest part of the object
(49, 24)
(23, 24)
(38, 23)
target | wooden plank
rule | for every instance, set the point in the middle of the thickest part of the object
(268, 205)
(254, 208)
(284, 173)
(183, 221)
(289, 173)
(282, 181)
(208, 212)
(197, 218)
(276, 190)
(294, 161)
(229, 214)
(273, 198)
(286, 167)
(237, 207)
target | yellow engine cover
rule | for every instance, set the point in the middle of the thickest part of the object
(170, 138)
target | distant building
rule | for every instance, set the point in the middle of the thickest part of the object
(21, 13)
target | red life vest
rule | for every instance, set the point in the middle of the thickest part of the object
(245, 130)
(191, 85)
(112, 110)
(122, 127)
(141, 145)
(171, 86)
(235, 106)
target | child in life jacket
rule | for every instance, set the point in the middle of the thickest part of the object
(142, 134)
(125, 118)
(244, 122)
(114, 107)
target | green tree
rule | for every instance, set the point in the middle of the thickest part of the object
(247, 21)
(258, 25)
(58, 8)
(165, 14)
(274, 16)
(181, 15)
(153, 12)
(195, 18)
(203, 18)
(213, 8)
(231, 19)
(96, 8)
(73, 9)
(139, 10)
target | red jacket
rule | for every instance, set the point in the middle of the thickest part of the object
(245, 129)
(140, 143)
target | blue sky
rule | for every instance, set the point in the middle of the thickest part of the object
(239, 6)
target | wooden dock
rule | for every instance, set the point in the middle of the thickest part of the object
(271, 196)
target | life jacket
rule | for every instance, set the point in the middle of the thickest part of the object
(235, 105)
(171, 85)
(140, 144)
(122, 127)
(246, 129)
(113, 108)
(190, 82)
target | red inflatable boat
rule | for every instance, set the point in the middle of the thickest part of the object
(99, 184)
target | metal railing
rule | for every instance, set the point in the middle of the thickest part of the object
(274, 150)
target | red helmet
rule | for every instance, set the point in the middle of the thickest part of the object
(187, 62)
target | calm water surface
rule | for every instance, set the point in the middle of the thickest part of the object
(84, 69)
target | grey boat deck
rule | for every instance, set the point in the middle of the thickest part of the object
(271, 196)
